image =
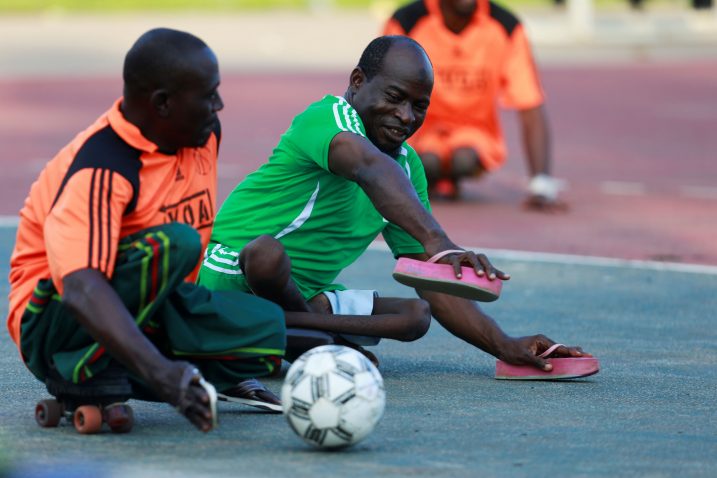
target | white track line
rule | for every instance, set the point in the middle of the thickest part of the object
(627, 188)
(570, 259)
(7, 222)
(622, 188)
(10, 222)
(699, 192)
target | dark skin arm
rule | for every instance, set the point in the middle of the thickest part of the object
(464, 319)
(392, 194)
(97, 307)
(386, 184)
(536, 144)
(536, 139)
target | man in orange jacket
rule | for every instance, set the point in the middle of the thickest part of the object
(481, 55)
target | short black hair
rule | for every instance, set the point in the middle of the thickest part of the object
(157, 58)
(371, 60)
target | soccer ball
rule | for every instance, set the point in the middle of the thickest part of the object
(333, 396)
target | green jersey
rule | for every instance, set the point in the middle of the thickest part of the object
(324, 221)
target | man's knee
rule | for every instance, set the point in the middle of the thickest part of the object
(184, 243)
(431, 165)
(419, 313)
(184, 239)
(263, 259)
(465, 162)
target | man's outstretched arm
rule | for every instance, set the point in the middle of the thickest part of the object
(386, 184)
(391, 192)
(464, 319)
(97, 307)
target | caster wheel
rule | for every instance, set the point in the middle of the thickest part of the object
(48, 413)
(119, 417)
(88, 419)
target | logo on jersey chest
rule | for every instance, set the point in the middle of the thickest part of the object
(462, 79)
(195, 210)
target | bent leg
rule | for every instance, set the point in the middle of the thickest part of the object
(229, 335)
(465, 162)
(411, 317)
(398, 319)
(432, 166)
(149, 266)
(267, 269)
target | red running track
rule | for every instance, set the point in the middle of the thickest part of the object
(637, 144)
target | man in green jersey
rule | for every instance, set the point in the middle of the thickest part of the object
(342, 174)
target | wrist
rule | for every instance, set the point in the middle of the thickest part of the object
(503, 344)
(438, 242)
(159, 370)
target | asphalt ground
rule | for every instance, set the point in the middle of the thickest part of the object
(649, 412)
(633, 117)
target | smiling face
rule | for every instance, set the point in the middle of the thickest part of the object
(393, 104)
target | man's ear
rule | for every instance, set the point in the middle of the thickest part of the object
(357, 78)
(160, 102)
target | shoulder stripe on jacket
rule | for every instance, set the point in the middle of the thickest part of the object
(91, 219)
(100, 220)
(408, 15)
(106, 150)
(347, 118)
(109, 223)
(507, 20)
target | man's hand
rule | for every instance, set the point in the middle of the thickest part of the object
(526, 351)
(179, 385)
(479, 262)
(97, 307)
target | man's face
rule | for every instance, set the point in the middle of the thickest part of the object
(195, 101)
(393, 104)
(462, 8)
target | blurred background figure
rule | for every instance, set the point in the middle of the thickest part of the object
(637, 4)
(481, 57)
(701, 4)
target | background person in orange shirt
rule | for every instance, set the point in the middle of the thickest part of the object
(481, 57)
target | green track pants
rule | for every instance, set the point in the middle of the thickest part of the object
(229, 335)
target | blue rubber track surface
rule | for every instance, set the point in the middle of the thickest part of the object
(649, 412)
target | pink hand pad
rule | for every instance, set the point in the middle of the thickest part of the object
(441, 278)
(563, 368)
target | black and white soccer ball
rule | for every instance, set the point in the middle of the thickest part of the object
(333, 396)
